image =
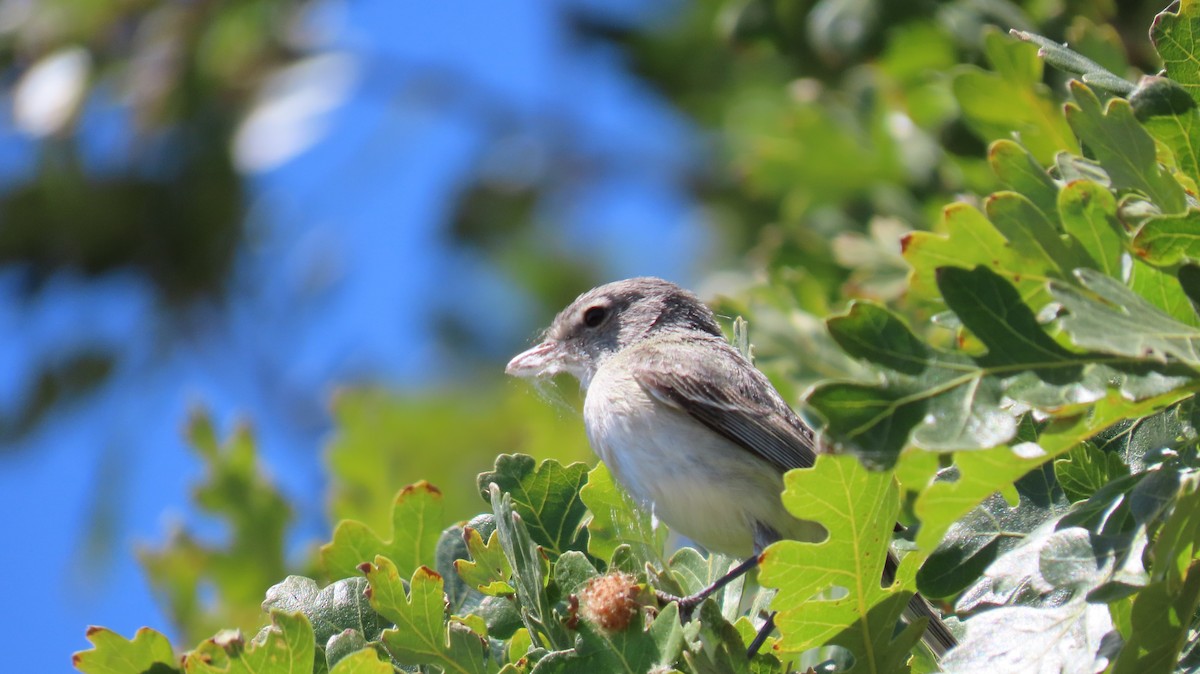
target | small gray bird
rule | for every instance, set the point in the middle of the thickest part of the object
(685, 423)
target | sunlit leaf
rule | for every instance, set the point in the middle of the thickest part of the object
(1123, 147)
(858, 507)
(422, 633)
(617, 520)
(1012, 101)
(545, 495)
(113, 654)
(417, 522)
(630, 651)
(1175, 37)
(340, 606)
(284, 647)
(1121, 322)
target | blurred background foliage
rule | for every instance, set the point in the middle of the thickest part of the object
(140, 142)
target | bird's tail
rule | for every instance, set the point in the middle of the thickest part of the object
(937, 637)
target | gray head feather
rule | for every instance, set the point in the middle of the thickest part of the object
(607, 319)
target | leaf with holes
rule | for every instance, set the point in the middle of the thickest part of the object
(858, 508)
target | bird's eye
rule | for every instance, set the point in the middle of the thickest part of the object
(594, 316)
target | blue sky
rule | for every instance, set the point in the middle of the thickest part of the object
(353, 163)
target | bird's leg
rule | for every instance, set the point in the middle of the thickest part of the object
(689, 603)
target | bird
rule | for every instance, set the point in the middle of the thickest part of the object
(687, 425)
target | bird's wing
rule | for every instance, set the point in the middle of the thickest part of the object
(727, 394)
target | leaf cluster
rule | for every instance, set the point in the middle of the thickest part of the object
(1023, 400)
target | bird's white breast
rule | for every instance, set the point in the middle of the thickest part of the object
(699, 483)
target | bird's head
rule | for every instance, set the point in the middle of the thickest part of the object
(604, 320)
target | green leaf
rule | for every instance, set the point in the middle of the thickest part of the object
(417, 522)
(858, 507)
(1065, 638)
(989, 531)
(617, 520)
(1174, 36)
(1013, 102)
(1123, 147)
(283, 647)
(1178, 543)
(572, 571)
(1171, 116)
(1033, 235)
(1139, 441)
(1021, 173)
(530, 570)
(236, 491)
(982, 473)
(1121, 322)
(1169, 240)
(489, 570)
(634, 650)
(1160, 623)
(365, 661)
(343, 644)
(971, 240)
(149, 651)
(340, 606)
(1075, 63)
(875, 421)
(1089, 214)
(723, 647)
(1086, 468)
(1164, 290)
(949, 401)
(1163, 611)
(546, 498)
(423, 635)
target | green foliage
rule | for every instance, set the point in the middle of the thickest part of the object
(1024, 401)
(111, 653)
(417, 523)
(256, 516)
(858, 507)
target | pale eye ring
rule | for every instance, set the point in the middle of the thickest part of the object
(594, 316)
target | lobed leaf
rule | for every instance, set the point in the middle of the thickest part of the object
(1170, 239)
(1121, 322)
(1175, 36)
(982, 473)
(488, 570)
(1063, 639)
(633, 650)
(422, 633)
(417, 522)
(1086, 469)
(1012, 101)
(285, 646)
(148, 651)
(988, 532)
(617, 520)
(331, 610)
(1172, 118)
(1123, 147)
(858, 507)
(545, 495)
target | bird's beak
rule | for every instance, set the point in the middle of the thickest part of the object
(543, 360)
